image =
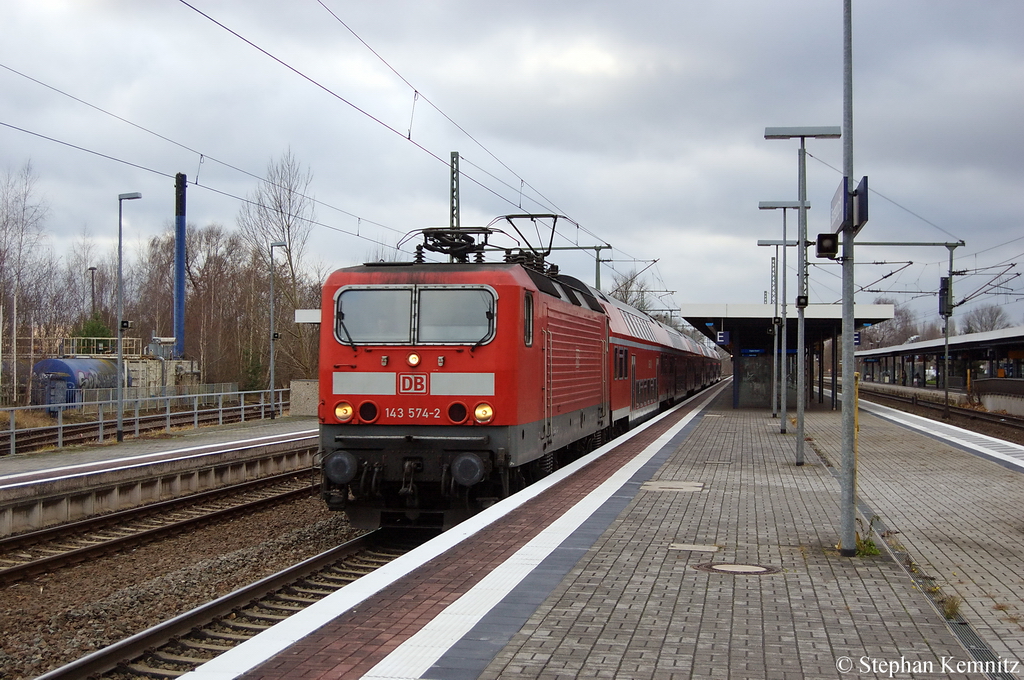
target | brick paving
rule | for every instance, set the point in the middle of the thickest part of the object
(960, 519)
(634, 607)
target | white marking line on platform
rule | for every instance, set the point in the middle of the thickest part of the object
(203, 449)
(989, 446)
(417, 654)
(690, 547)
(276, 639)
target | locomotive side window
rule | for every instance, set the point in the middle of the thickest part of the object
(528, 320)
(374, 315)
(455, 315)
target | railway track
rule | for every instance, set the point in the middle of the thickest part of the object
(1002, 419)
(34, 439)
(26, 555)
(181, 644)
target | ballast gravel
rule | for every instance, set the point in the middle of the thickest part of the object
(56, 618)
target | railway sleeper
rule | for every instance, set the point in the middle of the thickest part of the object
(264, 615)
(175, 658)
(150, 672)
(200, 645)
(281, 606)
(312, 592)
(223, 635)
(245, 625)
(324, 581)
(299, 600)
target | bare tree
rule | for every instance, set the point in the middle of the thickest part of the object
(632, 289)
(895, 331)
(281, 210)
(985, 318)
(22, 220)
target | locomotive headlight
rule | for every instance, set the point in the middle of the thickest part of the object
(483, 413)
(413, 359)
(343, 411)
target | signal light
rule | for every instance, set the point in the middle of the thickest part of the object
(827, 246)
(413, 359)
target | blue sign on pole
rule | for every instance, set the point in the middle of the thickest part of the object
(722, 338)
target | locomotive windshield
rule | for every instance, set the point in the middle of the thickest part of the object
(455, 315)
(418, 316)
(374, 315)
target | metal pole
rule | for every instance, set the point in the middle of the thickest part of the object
(949, 313)
(120, 331)
(273, 407)
(848, 476)
(801, 364)
(120, 315)
(273, 334)
(783, 392)
(775, 334)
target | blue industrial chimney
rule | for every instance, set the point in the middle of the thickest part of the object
(179, 265)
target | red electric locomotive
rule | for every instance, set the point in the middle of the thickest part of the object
(446, 387)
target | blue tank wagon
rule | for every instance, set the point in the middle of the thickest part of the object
(59, 382)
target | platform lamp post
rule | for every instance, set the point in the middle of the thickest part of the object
(273, 332)
(825, 132)
(121, 198)
(783, 206)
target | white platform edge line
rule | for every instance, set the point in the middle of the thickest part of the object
(959, 436)
(180, 454)
(276, 639)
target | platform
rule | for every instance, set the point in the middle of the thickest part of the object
(160, 443)
(611, 573)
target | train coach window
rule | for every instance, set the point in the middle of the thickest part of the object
(374, 315)
(621, 363)
(455, 315)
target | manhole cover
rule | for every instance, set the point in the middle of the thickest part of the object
(743, 569)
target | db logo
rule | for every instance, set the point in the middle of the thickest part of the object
(412, 383)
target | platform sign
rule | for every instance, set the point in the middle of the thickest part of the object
(860, 205)
(722, 338)
(841, 217)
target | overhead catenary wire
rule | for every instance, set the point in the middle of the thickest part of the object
(161, 173)
(202, 156)
(342, 99)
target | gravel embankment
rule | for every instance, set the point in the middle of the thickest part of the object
(59, 617)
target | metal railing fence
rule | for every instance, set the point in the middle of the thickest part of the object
(230, 405)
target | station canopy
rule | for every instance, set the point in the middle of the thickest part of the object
(749, 326)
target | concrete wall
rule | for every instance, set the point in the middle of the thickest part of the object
(305, 397)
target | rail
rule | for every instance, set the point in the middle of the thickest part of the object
(37, 552)
(221, 407)
(329, 570)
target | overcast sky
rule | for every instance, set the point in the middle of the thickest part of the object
(642, 121)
